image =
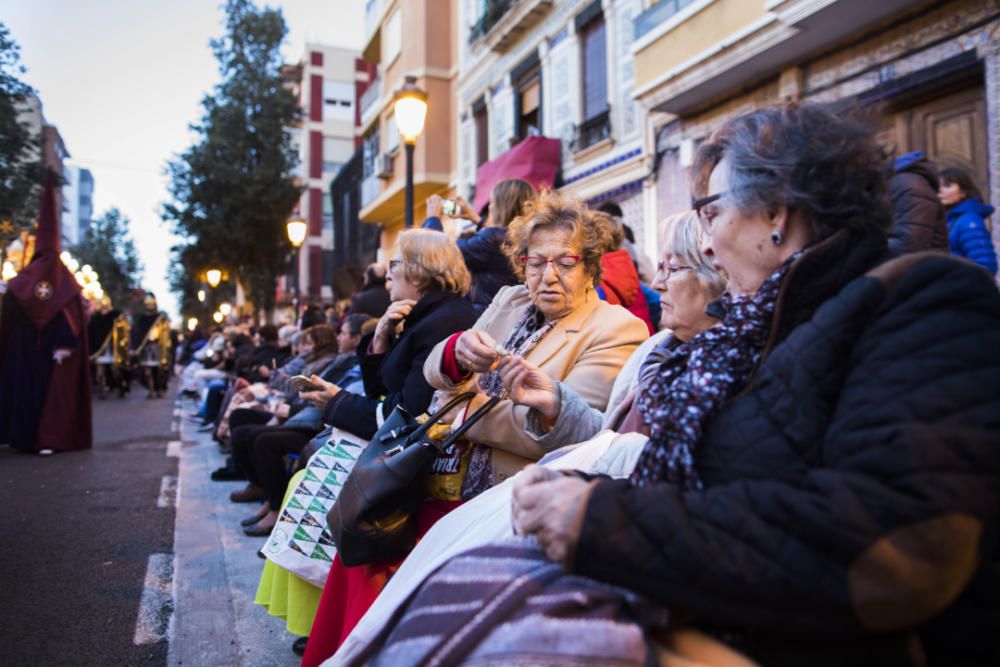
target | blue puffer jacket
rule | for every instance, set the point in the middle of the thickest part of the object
(967, 233)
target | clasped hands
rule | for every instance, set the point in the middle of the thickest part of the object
(549, 505)
(526, 383)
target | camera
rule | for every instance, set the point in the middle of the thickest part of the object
(450, 207)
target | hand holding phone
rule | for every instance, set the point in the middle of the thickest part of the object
(450, 207)
(302, 383)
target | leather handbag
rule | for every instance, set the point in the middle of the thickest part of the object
(374, 517)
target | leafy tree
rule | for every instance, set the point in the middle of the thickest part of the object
(108, 247)
(20, 152)
(232, 192)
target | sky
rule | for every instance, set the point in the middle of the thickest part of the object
(123, 80)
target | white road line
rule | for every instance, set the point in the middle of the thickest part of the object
(157, 604)
(174, 449)
(168, 492)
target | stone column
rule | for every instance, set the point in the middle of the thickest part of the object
(989, 51)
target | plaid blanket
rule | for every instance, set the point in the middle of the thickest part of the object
(506, 604)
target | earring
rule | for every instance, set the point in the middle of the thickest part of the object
(776, 237)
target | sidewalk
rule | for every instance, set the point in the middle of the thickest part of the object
(217, 569)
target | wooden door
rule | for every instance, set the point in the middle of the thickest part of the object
(950, 130)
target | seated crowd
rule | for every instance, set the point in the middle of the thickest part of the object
(779, 446)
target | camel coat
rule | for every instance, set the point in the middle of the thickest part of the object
(584, 350)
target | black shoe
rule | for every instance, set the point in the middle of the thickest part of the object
(227, 474)
(299, 646)
(249, 521)
(257, 531)
(260, 554)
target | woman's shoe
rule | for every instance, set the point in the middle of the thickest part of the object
(247, 495)
(258, 530)
(264, 509)
(299, 646)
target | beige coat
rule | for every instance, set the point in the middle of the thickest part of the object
(585, 350)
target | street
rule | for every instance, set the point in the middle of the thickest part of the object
(128, 554)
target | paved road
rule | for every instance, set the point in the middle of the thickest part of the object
(101, 566)
(79, 529)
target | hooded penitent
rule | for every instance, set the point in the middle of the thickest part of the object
(44, 403)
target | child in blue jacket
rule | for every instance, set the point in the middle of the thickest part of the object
(968, 235)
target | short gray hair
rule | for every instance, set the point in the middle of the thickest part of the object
(681, 236)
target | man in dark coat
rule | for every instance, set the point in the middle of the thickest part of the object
(373, 299)
(918, 217)
(44, 365)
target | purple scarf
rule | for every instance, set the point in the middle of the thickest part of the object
(696, 381)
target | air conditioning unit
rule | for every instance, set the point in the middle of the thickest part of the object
(383, 166)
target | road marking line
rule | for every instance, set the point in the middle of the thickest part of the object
(157, 604)
(168, 492)
(174, 449)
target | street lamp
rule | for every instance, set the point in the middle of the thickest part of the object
(296, 230)
(225, 309)
(410, 109)
(214, 277)
(201, 296)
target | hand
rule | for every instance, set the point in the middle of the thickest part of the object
(474, 351)
(435, 207)
(264, 371)
(390, 321)
(465, 210)
(527, 384)
(281, 411)
(321, 397)
(547, 505)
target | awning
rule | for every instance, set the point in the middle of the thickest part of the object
(535, 160)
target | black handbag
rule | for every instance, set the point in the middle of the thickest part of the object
(374, 518)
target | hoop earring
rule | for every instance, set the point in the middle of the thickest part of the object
(776, 237)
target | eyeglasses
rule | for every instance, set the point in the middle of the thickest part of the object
(562, 263)
(394, 264)
(706, 214)
(666, 270)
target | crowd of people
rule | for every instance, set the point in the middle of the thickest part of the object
(777, 446)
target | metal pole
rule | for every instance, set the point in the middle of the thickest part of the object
(409, 185)
(295, 298)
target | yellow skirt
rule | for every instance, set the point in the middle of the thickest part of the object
(285, 595)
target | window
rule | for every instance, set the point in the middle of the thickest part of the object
(392, 37)
(328, 212)
(332, 152)
(529, 105)
(391, 134)
(481, 117)
(594, 68)
(370, 146)
(338, 101)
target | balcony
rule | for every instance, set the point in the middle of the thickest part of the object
(657, 14)
(502, 22)
(591, 132)
(369, 99)
(373, 14)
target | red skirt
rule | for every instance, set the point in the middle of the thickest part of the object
(350, 591)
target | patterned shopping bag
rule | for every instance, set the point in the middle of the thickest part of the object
(301, 542)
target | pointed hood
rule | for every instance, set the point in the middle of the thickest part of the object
(45, 286)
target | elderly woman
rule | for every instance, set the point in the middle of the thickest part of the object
(820, 482)
(554, 321)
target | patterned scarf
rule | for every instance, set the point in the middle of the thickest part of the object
(696, 381)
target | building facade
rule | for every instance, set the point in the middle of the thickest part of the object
(406, 38)
(562, 70)
(78, 203)
(928, 70)
(326, 81)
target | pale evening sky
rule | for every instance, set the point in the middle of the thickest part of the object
(122, 80)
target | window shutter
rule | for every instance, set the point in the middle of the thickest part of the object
(626, 73)
(595, 73)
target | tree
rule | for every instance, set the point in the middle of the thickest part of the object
(232, 191)
(20, 151)
(108, 247)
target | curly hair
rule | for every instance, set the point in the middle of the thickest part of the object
(432, 260)
(826, 166)
(591, 230)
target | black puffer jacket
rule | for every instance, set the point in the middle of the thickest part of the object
(850, 503)
(918, 218)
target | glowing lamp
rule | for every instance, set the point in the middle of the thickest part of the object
(218, 317)
(192, 323)
(296, 230)
(410, 108)
(201, 296)
(225, 309)
(214, 277)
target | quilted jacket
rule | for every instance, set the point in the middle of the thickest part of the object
(849, 513)
(968, 235)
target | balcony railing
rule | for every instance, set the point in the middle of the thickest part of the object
(591, 131)
(493, 11)
(657, 14)
(372, 94)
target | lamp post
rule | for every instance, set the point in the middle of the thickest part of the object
(410, 109)
(296, 230)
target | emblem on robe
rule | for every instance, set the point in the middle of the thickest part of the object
(43, 290)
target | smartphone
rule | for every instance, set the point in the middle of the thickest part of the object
(302, 383)
(449, 207)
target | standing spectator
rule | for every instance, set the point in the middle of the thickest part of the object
(968, 234)
(918, 221)
(373, 299)
(483, 251)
